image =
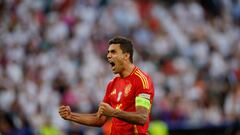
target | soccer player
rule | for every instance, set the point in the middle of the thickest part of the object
(128, 96)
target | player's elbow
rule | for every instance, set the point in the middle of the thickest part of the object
(99, 124)
(101, 121)
(96, 124)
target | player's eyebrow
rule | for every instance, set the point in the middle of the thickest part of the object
(111, 50)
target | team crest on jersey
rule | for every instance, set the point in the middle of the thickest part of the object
(127, 89)
(113, 92)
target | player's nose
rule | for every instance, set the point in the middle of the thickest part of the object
(109, 55)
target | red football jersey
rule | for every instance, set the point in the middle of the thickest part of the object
(121, 94)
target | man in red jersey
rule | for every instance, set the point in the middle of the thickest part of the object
(128, 97)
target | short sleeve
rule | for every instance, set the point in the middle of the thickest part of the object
(145, 88)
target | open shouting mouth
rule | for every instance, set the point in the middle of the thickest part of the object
(113, 65)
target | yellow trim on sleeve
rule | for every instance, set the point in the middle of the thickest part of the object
(143, 79)
(143, 82)
(140, 101)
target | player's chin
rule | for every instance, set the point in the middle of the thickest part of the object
(115, 71)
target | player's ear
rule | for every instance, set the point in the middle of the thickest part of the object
(126, 56)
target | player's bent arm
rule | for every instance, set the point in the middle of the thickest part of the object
(88, 119)
(139, 117)
(85, 119)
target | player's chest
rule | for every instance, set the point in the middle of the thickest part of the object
(122, 91)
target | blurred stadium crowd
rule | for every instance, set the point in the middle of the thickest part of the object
(53, 52)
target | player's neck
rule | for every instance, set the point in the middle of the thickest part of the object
(127, 71)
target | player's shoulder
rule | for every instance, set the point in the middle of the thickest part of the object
(142, 77)
(117, 76)
(140, 73)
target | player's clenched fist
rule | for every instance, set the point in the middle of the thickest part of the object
(65, 112)
(105, 109)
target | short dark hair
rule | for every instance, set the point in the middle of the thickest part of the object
(126, 45)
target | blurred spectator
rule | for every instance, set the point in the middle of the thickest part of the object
(232, 104)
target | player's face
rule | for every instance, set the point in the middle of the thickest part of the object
(116, 58)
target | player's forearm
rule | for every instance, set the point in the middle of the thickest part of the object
(88, 119)
(131, 117)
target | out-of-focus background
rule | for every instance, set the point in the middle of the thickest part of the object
(53, 52)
